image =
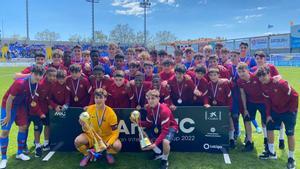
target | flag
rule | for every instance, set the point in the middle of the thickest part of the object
(270, 26)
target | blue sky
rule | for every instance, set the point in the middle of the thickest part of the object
(187, 19)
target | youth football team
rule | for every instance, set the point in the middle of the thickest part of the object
(157, 82)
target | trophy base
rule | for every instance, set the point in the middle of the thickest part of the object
(145, 143)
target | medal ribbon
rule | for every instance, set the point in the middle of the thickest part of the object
(75, 89)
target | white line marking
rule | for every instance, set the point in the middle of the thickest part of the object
(226, 158)
(48, 156)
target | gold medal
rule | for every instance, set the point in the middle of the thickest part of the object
(138, 107)
(33, 104)
(156, 130)
(179, 101)
(76, 99)
(215, 102)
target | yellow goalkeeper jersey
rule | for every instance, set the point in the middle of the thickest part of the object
(105, 123)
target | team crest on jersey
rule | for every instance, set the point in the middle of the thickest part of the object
(81, 86)
(254, 82)
(275, 90)
(123, 92)
(220, 89)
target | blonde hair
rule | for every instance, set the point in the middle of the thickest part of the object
(144, 55)
(153, 93)
(207, 47)
(57, 52)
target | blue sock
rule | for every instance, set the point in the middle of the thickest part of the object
(21, 142)
(254, 122)
(236, 127)
(4, 144)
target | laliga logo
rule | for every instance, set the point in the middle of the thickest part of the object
(206, 146)
(60, 114)
(186, 125)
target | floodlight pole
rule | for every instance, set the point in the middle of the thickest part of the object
(93, 17)
(145, 4)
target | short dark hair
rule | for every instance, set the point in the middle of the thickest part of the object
(77, 47)
(260, 54)
(213, 57)
(75, 68)
(200, 69)
(61, 74)
(153, 52)
(180, 68)
(119, 56)
(38, 69)
(178, 52)
(148, 63)
(167, 61)
(98, 68)
(119, 73)
(162, 52)
(219, 44)
(94, 51)
(244, 43)
(198, 55)
(139, 75)
(262, 71)
(39, 55)
(134, 63)
(51, 70)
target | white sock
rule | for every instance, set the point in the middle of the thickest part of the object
(231, 135)
(37, 145)
(271, 148)
(265, 132)
(157, 150)
(46, 142)
(291, 154)
(165, 156)
(281, 134)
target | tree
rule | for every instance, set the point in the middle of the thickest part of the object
(100, 37)
(139, 39)
(47, 35)
(122, 34)
(75, 38)
(164, 37)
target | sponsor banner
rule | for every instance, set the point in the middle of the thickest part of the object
(295, 36)
(259, 43)
(279, 42)
(200, 129)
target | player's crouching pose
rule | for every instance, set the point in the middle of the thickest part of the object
(104, 122)
(283, 101)
(160, 124)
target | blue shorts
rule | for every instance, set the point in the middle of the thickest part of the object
(288, 119)
(252, 109)
(235, 103)
(154, 136)
(12, 117)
